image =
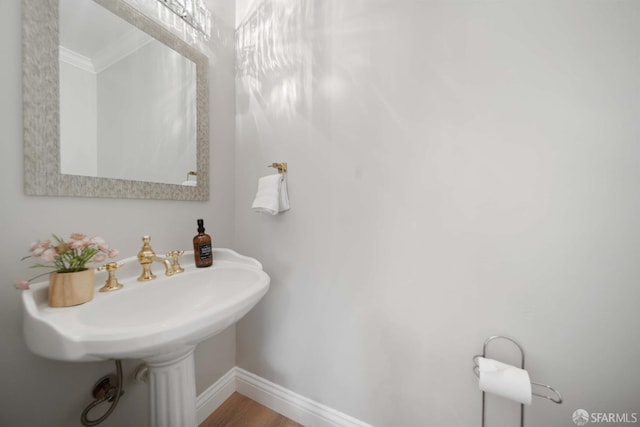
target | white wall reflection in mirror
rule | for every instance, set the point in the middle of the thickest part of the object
(127, 101)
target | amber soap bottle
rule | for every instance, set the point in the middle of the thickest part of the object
(202, 247)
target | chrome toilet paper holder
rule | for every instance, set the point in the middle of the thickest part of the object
(476, 370)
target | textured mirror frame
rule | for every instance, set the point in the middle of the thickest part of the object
(41, 111)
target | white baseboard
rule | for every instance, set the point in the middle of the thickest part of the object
(209, 400)
(292, 405)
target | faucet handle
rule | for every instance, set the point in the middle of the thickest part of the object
(112, 283)
(174, 255)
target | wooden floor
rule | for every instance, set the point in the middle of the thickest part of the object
(240, 411)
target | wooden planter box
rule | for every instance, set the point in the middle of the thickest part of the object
(67, 289)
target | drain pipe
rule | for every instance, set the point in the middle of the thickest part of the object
(103, 391)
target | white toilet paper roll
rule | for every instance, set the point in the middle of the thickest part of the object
(504, 380)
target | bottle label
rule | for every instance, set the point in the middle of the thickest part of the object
(204, 252)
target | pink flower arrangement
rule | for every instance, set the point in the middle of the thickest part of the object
(67, 256)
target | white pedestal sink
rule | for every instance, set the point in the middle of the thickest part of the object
(160, 322)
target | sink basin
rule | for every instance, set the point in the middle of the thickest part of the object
(145, 319)
(160, 321)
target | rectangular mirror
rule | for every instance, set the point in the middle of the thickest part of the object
(114, 104)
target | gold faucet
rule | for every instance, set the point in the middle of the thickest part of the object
(112, 283)
(175, 266)
(146, 257)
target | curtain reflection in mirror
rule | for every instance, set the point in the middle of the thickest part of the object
(160, 13)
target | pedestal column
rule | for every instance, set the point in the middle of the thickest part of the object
(172, 388)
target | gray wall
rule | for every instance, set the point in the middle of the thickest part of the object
(39, 392)
(457, 169)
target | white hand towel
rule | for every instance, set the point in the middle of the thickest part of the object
(272, 197)
(284, 195)
(504, 380)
